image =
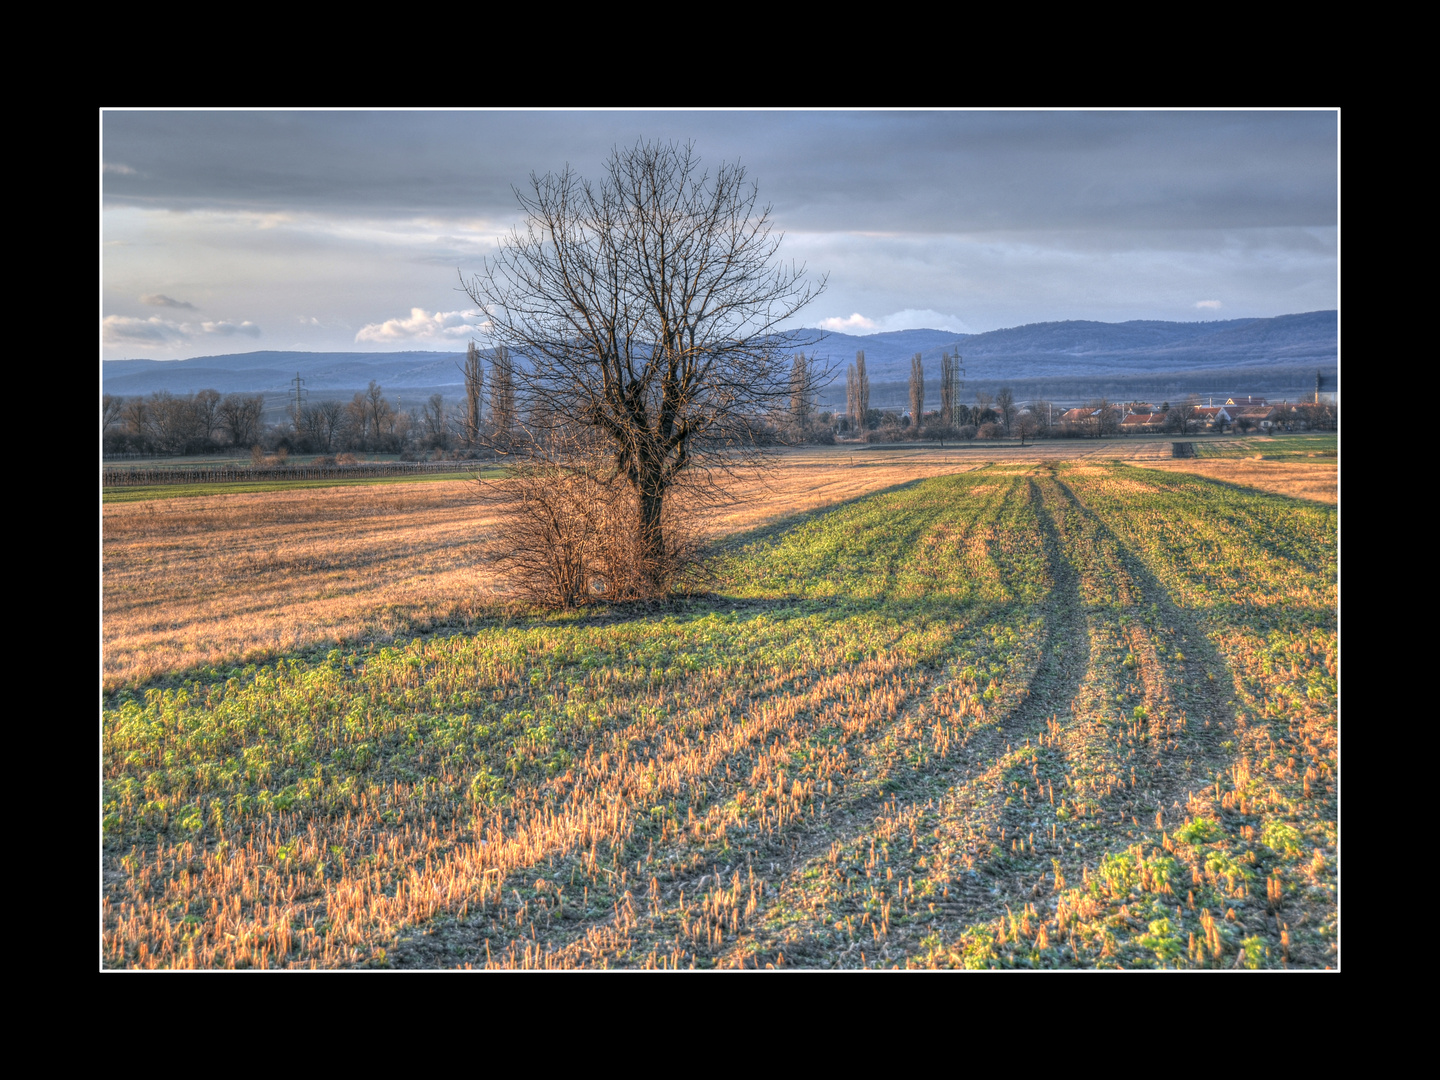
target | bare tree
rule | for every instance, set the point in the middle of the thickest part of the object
(647, 308)
(379, 416)
(240, 417)
(1183, 417)
(110, 406)
(917, 391)
(207, 414)
(357, 419)
(172, 422)
(1025, 424)
(502, 393)
(325, 424)
(474, 373)
(1006, 407)
(862, 392)
(952, 380)
(801, 387)
(851, 392)
(436, 433)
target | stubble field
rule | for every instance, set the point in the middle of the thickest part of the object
(1035, 713)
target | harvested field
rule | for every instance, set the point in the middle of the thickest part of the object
(221, 579)
(1025, 716)
(1316, 481)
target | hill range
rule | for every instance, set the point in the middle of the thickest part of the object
(1061, 361)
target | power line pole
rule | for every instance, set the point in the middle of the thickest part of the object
(300, 393)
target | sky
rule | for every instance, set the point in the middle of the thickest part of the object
(227, 232)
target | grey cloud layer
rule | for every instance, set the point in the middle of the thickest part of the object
(331, 229)
(927, 172)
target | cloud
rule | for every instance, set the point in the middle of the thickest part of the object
(116, 167)
(908, 319)
(119, 329)
(923, 319)
(1212, 304)
(421, 325)
(161, 300)
(122, 328)
(229, 329)
(855, 324)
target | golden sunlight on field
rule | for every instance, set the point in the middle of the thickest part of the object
(233, 577)
(227, 578)
(1316, 481)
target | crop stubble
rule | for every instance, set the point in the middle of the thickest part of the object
(1034, 716)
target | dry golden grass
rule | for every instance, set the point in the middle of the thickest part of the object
(234, 578)
(794, 784)
(1316, 481)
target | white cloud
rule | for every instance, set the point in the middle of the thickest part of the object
(1212, 304)
(161, 300)
(922, 319)
(116, 167)
(855, 324)
(122, 328)
(229, 329)
(421, 325)
(118, 329)
(908, 319)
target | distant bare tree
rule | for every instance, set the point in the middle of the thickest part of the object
(951, 382)
(503, 415)
(110, 408)
(801, 383)
(309, 426)
(474, 373)
(437, 435)
(851, 393)
(357, 420)
(379, 416)
(1024, 425)
(1006, 407)
(172, 422)
(860, 419)
(240, 418)
(331, 420)
(1107, 417)
(1184, 417)
(1043, 411)
(207, 414)
(917, 391)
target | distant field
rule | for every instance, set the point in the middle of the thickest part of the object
(1034, 713)
(1303, 447)
(241, 487)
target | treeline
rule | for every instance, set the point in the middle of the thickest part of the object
(166, 423)
(207, 422)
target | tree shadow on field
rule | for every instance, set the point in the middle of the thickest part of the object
(735, 542)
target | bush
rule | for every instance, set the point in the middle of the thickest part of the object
(989, 431)
(570, 534)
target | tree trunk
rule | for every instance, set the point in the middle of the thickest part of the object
(652, 534)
